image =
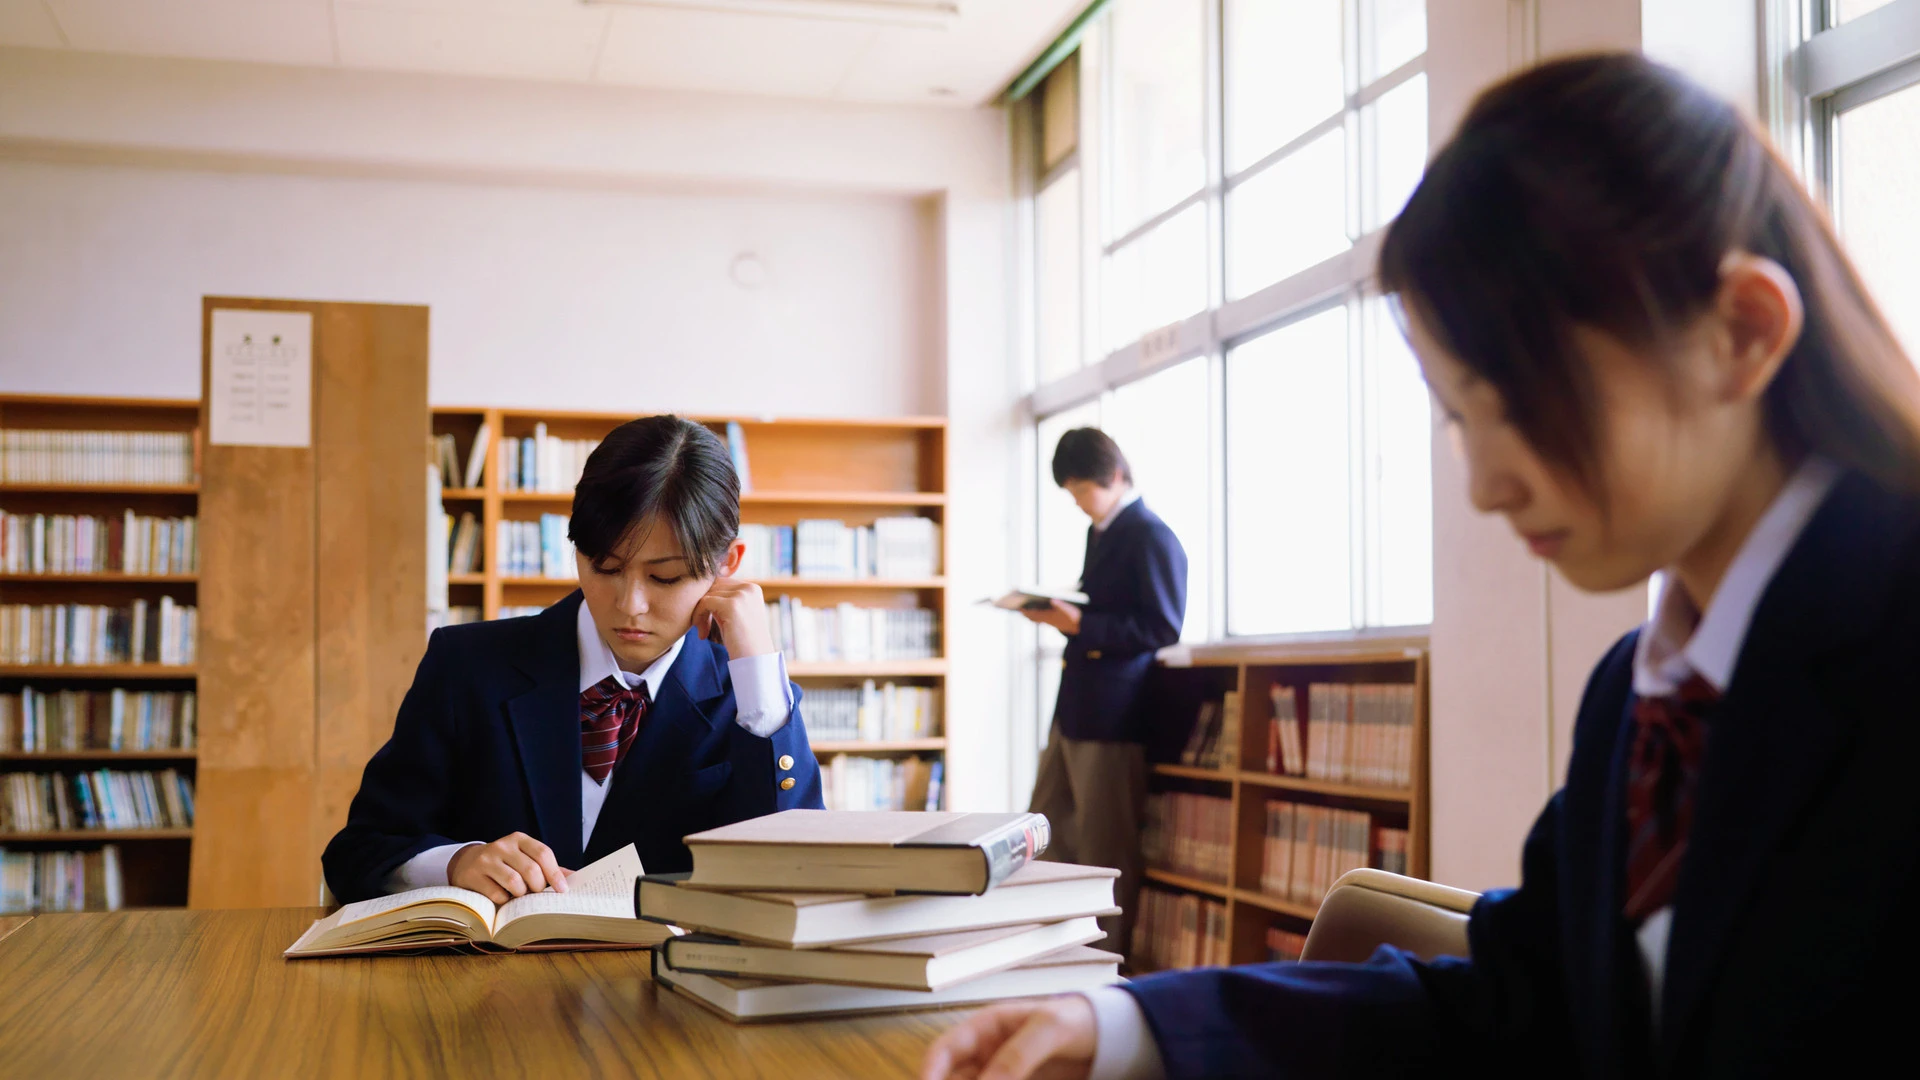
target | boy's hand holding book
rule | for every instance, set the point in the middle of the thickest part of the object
(514, 865)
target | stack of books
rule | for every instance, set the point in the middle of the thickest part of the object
(820, 912)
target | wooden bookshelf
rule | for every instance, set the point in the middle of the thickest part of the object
(853, 470)
(153, 875)
(1253, 670)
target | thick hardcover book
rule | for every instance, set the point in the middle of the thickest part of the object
(1068, 970)
(596, 912)
(1039, 892)
(934, 962)
(867, 851)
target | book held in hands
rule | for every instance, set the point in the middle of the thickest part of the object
(596, 911)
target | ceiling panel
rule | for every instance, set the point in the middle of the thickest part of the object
(263, 31)
(465, 41)
(28, 24)
(975, 57)
(731, 53)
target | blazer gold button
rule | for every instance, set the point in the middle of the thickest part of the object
(787, 784)
(1093, 654)
(786, 761)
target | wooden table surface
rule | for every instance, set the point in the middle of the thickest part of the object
(206, 993)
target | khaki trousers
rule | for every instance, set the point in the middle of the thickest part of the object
(1094, 795)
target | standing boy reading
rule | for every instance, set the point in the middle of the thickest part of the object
(647, 705)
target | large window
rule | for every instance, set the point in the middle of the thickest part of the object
(1862, 119)
(1235, 163)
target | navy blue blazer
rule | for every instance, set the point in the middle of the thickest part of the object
(1792, 916)
(487, 743)
(1135, 578)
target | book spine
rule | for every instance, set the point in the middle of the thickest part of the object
(1014, 846)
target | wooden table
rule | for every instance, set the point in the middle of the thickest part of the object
(206, 993)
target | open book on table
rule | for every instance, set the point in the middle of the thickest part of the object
(1036, 599)
(596, 912)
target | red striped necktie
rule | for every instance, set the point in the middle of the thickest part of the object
(610, 716)
(1669, 743)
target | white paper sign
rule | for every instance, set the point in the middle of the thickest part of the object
(262, 378)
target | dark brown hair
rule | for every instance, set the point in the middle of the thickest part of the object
(1089, 454)
(662, 469)
(1605, 192)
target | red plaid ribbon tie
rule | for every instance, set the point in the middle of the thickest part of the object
(610, 716)
(1669, 744)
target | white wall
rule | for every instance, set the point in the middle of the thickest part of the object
(573, 243)
(540, 297)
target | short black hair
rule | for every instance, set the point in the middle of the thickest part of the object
(664, 469)
(1089, 454)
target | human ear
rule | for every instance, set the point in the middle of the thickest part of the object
(1761, 316)
(730, 563)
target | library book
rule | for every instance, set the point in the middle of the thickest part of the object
(596, 912)
(1026, 599)
(934, 962)
(867, 851)
(1067, 970)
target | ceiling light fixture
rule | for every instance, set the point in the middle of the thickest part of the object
(919, 14)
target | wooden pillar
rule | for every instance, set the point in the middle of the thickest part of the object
(312, 604)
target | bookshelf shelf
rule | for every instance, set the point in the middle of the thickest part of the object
(99, 755)
(1194, 772)
(95, 835)
(786, 583)
(1326, 787)
(1191, 884)
(103, 579)
(855, 470)
(1275, 903)
(99, 489)
(893, 746)
(879, 669)
(1263, 676)
(156, 872)
(98, 671)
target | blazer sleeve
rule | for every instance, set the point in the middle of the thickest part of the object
(399, 809)
(757, 784)
(1155, 622)
(1502, 1012)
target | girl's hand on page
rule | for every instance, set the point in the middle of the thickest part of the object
(1047, 1040)
(736, 612)
(514, 865)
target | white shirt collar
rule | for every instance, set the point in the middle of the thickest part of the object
(1680, 640)
(1119, 508)
(597, 662)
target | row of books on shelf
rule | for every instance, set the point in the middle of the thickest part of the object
(39, 721)
(453, 472)
(852, 633)
(139, 633)
(1189, 834)
(1352, 733)
(105, 799)
(81, 544)
(1307, 848)
(849, 782)
(534, 549)
(1179, 930)
(1214, 742)
(35, 456)
(42, 881)
(1284, 945)
(896, 547)
(871, 713)
(938, 910)
(463, 544)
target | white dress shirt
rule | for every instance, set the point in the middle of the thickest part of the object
(762, 701)
(1120, 507)
(1678, 641)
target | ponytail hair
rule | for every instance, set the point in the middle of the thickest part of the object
(1605, 191)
